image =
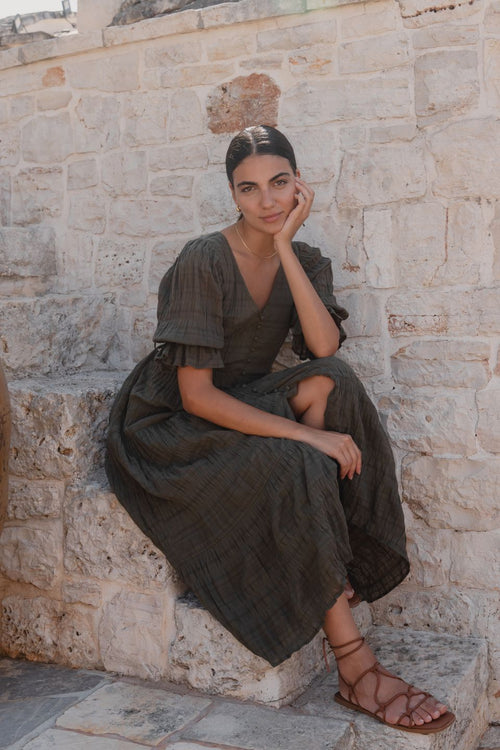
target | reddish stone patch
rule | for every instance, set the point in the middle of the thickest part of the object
(54, 77)
(248, 100)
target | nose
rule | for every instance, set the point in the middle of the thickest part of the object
(266, 198)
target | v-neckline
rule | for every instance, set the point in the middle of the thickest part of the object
(244, 283)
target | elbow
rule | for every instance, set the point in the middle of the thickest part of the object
(190, 404)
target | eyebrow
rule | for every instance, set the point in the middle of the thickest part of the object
(276, 176)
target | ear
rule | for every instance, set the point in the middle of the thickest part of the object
(297, 173)
(231, 188)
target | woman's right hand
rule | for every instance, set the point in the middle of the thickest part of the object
(338, 446)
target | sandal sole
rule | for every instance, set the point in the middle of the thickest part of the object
(432, 727)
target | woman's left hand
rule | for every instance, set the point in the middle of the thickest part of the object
(298, 215)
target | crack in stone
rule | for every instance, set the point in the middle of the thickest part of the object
(438, 8)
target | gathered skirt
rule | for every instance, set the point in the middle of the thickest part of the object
(261, 529)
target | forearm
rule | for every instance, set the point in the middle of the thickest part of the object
(320, 331)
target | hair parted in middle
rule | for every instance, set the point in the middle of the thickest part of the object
(258, 139)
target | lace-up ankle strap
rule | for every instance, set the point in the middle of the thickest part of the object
(327, 645)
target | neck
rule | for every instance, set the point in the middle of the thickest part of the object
(255, 243)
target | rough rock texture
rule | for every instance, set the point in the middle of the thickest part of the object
(132, 11)
(112, 158)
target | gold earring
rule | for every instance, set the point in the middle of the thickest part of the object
(238, 209)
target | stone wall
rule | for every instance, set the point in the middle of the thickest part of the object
(112, 147)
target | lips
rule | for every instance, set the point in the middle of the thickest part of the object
(272, 217)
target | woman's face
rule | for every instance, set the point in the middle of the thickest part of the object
(264, 188)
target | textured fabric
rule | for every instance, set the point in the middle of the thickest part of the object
(261, 529)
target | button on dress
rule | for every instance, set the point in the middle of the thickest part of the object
(261, 529)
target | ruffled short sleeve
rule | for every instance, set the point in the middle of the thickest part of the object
(190, 325)
(319, 271)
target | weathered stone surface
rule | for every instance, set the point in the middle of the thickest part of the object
(54, 99)
(39, 144)
(194, 156)
(87, 212)
(465, 172)
(446, 83)
(137, 10)
(228, 47)
(381, 268)
(82, 591)
(364, 313)
(116, 73)
(296, 37)
(376, 53)
(134, 635)
(382, 174)
(213, 199)
(82, 174)
(150, 218)
(492, 70)
(318, 60)
(77, 639)
(466, 239)
(474, 559)
(488, 429)
(119, 263)
(59, 425)
(242, 102)
(423, 251)
(208, 657)
(5, 194)
(102, 542)
(323, 102)
(173, 52)
(444, 36)
(22, 106)
(365, 356)
(181, 185)
(146, 117)
(58, 739)
(442, 363)
(30, 627)
(37, 194)
(443, 423)
(369, 19)
(141, 714)
(27, 252)
(429, 552)
(186, 119)
(125, 172)
(31, 554)
(9, 153)
(162, 257)
(34, 499)
(97, 126)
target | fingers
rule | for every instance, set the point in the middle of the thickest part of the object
(349, 457)
(304, 194)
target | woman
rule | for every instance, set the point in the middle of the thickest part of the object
(272, 494)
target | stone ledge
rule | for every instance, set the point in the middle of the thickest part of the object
(182, 22)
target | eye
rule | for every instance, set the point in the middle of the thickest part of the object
(281, 182)
(247, 188)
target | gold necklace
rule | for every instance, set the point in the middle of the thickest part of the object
(262, 257)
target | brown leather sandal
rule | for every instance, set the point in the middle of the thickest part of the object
(352, 702)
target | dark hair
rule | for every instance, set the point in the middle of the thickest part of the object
(258, 139)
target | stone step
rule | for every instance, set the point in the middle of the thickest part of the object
(452, 668)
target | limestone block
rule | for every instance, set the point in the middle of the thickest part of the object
(372, 54)
(488, 429)
(452, 493)
(340, 237)
(297, 37)
(22, 106)
(474, 559)
(446, 83)
(143, 328)
(27, 252)
(34, 499)
(87, 211)
(365, 356)
(37, 194)
(241, 102)
(442, 363)
(160, 27)
(322, 102)
(4, 111)
(268, 61)
(41, 145)
(382, 174)
(114, 73)
(466, 240)
(82, 174)
(96, 14)
(194, 156)
(162, 257)
(151, 218)
(59, 424)
(77, 260)
(429, 552)
(54, 99)
(102, 542)
(390, 133)
(213, 199)
(492, 71)
(374, 19)
(448, 35)
(465, 171)
(146, 117)
(134, 636)
(417, 8)
(172, 52)
(208, 657)
(186, 119)
(31, 554)
(316, 151)
(181, 185)
(77, 641)
(97, 124)
(125, 172)
(5, 196)
(492, 18)
(119, 263)
(364, 313)
(443, 423)
(82, 591)
(318, 60)
(227, 47)
(10, 146)
(193, 75)
(30, 627)
(381, 270)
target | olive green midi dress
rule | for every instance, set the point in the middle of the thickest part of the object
(261, 529)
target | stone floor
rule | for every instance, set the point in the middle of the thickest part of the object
(49, 707)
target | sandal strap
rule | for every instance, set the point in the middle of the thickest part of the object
(327, 645)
